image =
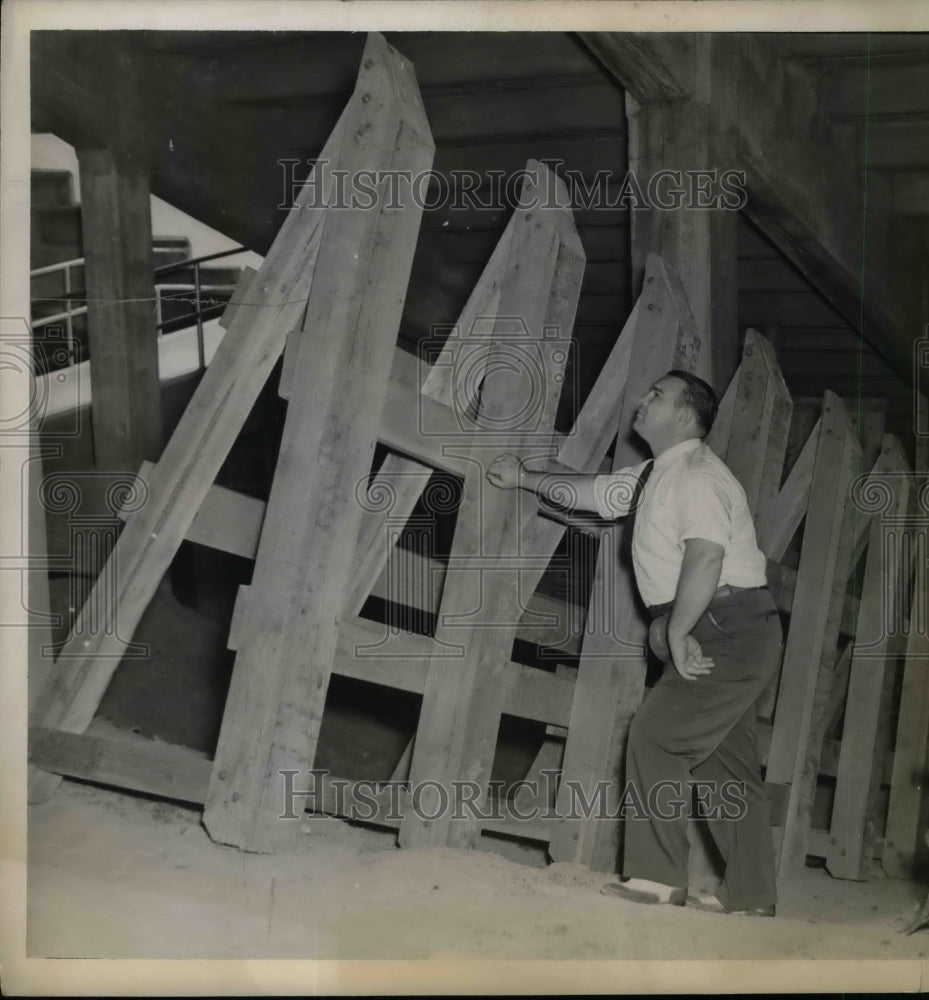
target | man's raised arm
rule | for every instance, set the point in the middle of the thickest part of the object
(608, 495)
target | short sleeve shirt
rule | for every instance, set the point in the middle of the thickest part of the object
(691, 493)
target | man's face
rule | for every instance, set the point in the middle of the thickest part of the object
(658, 411)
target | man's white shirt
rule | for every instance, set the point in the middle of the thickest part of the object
(690, 494)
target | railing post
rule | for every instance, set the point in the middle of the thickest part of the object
(201, 358)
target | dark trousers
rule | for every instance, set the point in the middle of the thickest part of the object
(704, 731)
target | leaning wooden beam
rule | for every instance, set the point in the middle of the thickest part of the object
(610, 684)
(300, 584)
(718, 438)
(179, 482)
(863, 751)
(838, 691)
(796, 742)
(778, 522)
(464, 695)
(388, 503)
(182, 774)
(455, 375)
(162, 769)
(761, 416)
(911, 753)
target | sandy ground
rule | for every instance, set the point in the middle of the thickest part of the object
(117, 876)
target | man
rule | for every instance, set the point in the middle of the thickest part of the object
(700, 572)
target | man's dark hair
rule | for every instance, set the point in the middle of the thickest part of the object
(699, 396)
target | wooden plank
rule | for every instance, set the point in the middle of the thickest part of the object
(611, 674)
(761, 410)
(463, 698)
(595, 428)
(179, 483)
(388, 503)
(863, 751)
(718, 438)
(777, 524)
(239, 295)
(40, 650)
(123, 341)
(838, 691)
(631, 58)
(456, 373)
(869, 418)
(142, 765)
(911, 756)
(700, 246)
(418, 426)
(762, 415)
(365, 802)
(402, 663)
(401, 771)
(773, 129)
(797, 738)
(275, 703)
(226, 519)
(828, 764)
(782, 581)
(538, 792)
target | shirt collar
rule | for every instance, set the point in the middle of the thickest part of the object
(680, 449)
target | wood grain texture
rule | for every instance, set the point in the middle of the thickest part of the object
(611, 675)
(142, 765)
(809, 654)
(464, 695)
(303, 568)
(863, 748)
(123, 340)
(778, 523)
(761, 416)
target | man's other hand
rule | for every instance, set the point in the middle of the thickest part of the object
(688, 658)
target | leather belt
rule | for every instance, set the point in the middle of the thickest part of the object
(726, 590)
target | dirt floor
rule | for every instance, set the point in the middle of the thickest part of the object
(117, 876)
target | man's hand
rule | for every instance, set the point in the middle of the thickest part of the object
(504, 471)
(688, 658)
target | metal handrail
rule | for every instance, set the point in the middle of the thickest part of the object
(161, 269)
(181, 264)
(198, 313)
